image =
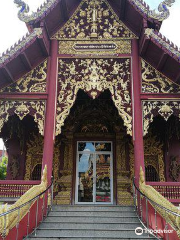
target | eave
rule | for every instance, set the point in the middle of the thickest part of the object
(23, 56)
(127, 10)
(160, 53)
(34, 48)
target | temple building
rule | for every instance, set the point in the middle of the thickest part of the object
(93, 93)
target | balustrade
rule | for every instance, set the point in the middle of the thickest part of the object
(169, 190)
(15, 188)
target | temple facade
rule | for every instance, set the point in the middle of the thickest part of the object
(93, 92)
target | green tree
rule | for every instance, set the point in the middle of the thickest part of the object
(3, 168)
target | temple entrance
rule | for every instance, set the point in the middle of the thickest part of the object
(94, 173)
(93, 166)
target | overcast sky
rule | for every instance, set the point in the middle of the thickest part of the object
(12, 29)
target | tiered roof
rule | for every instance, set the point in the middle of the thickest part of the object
(53, 14)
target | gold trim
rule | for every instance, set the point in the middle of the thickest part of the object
(154, 149)
(89, 19)
(93, 78)
(158, 107)
(34, 149)
(36, 108)
(122, 47)
(13, 218)
(33, 81)
(155, 82)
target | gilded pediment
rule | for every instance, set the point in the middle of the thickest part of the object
(33, 81)
(94, 19)
(155, 82)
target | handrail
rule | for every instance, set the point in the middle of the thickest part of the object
(145, 215)
(154, 203)
(14, 189)
(27, 212)
(26, 203)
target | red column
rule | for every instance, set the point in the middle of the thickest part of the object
(50, 119)
(137, 111)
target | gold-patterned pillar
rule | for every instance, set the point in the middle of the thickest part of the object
(123, 181)
(65, 181)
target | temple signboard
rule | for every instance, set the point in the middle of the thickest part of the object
(95, 47)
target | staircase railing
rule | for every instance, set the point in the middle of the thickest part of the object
(169, 190)
(14, 189)
(17, 223)
(149, 215)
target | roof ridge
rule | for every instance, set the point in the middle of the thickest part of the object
(4, 56)
(162, 14)
(163, 11)
(34, 16)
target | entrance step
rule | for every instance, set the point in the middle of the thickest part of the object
(99, 214)
(88, 226)
(90, 222)
(87, 238)
(86, 208)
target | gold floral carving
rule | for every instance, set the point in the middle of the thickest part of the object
(124, 196)
(94, 20)
(156, 197)
(162, 108)
(56, 166)
(34, 81)
(13, 218)
(22, 109)
(153, 155)
(15, 166)
(121, 155)
(120, 47)
(65, 181)
(174, 168)
(34, 154)
(34, 157)
(155, 82)
(91, 75)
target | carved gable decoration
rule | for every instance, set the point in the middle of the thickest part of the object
(164, 108)
(155, 82)
(94, 76)
(94, 20)
(35, 108)
(33, 81)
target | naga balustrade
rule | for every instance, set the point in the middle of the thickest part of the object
(14, 189)
(169, 190)
(152, 221)
(36, 209)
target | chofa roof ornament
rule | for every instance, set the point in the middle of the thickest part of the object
(163, 10)
(23, 12)
(25, 17)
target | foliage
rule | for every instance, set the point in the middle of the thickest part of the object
(3, 168)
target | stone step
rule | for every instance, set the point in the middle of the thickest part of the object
(90, 222)
(91, 208)
(92, 219)
(99, 214)
(117, 234)
(90, 226)
(79, 238)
